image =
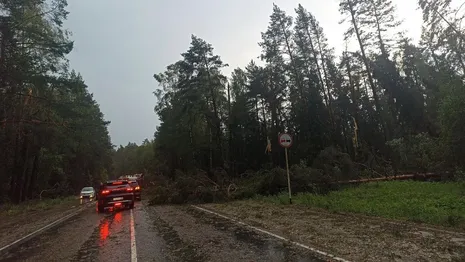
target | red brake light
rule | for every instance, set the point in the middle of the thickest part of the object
(129, 189)
(118, 204)
(105, 192)
(117, 183)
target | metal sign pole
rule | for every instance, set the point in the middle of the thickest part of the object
(288, 177)
(285, 140)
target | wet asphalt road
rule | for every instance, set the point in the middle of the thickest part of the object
(146, 233)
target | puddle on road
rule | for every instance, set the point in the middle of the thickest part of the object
(266, 245)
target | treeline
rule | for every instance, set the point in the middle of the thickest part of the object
(390, 106)
(134, 159)
(53, 136)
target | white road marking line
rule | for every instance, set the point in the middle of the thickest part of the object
(276, 236)
(133, 239)
(42, 228)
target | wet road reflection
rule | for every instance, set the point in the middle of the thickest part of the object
(104, 230)
(110, 241)
(89, 236)
(165, 233)
(118, 217)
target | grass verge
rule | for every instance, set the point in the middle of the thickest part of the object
(37, 205)
(434, 203)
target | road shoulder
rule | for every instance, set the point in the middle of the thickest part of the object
(356, 238)
(29, 222)
(193, 235)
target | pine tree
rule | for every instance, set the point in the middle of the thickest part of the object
(353, 8)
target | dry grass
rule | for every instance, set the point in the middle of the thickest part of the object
(37, 205)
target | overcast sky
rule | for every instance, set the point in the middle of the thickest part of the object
(120, 44)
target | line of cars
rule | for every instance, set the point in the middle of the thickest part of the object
(114, 194)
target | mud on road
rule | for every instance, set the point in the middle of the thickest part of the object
(352, 237)
(194, 235)
(161, 233)
(185, 233)
(23, 222)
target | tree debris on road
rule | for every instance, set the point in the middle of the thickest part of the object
(353, 237)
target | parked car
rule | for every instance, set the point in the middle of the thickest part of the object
(87, 192)
(136, 187)
(114, 195)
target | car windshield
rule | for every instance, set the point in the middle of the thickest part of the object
(86, 189)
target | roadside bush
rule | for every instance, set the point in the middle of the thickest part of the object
(335, 165)
(418, 152)
(199, 187)
(251, 184)
(266, 182)
(161, 191)
(308, 179)
(274, 181)
(193, 187)
(59, 190)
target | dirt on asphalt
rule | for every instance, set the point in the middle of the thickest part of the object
(17, 224)
(161, 233)
(352, 237)
(193, 235)
(184, 233)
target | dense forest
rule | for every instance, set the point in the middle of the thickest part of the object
(53, 136)
(391, 106)
(135, 159)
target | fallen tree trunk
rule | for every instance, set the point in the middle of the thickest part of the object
(417, 176)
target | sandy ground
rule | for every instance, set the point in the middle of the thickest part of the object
(352, 237)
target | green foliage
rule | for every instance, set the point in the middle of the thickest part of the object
(389, 106)
(335, 164)
(53, 135)
(418, 152)
(452, 122)
(435, 203)
(193, 187)
(134, 159)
